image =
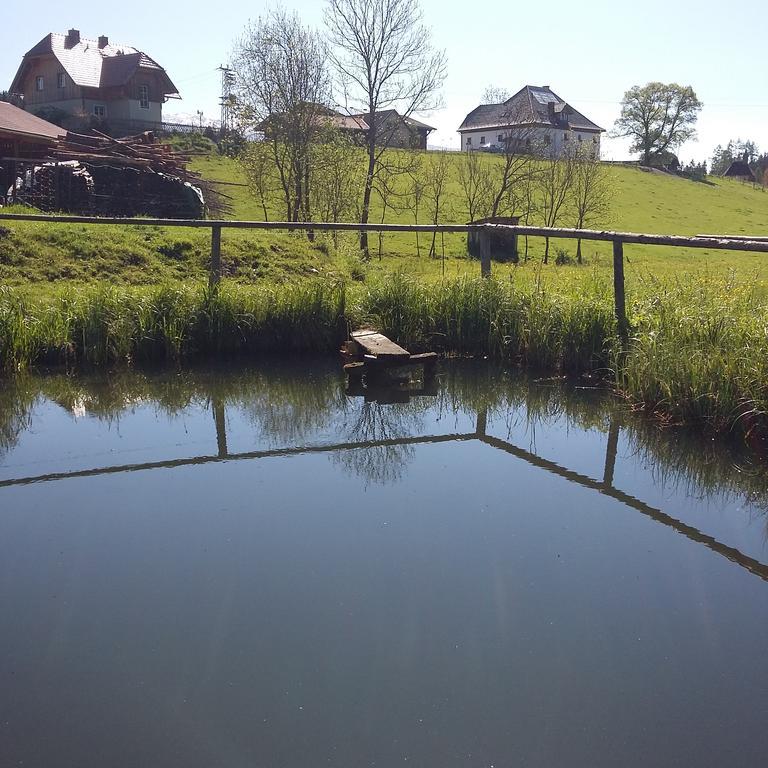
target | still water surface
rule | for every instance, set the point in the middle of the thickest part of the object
(251, 568)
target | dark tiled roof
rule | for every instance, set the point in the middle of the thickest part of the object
(529, 106)
(17, 121)
(387, 115)
(92, 67)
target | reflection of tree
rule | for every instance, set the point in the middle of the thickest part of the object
(17, 399)
(380, 464)
(372, 421)
(291, 404)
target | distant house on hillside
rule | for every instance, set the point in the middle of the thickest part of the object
(394, 130)
(318, 115)
(535, 119)
(82, 81)
(739, 169)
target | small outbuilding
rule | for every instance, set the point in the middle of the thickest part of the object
(739, 169)
(502, 242)
(22, 137)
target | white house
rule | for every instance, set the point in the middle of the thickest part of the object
(536, 119)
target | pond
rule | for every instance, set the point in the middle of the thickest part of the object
(252, 567)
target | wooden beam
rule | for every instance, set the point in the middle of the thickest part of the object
(379, 346)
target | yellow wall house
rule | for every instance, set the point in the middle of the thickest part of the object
(81, 82)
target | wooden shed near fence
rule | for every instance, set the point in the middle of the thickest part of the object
(503, 244)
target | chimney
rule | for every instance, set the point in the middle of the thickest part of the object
(73, 37)
(103, 41)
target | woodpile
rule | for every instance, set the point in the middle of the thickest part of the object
(142, 152)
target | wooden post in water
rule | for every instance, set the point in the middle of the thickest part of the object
(611, 449)
(215, 275)
(619, 298)
(220, 420)
(484, 240)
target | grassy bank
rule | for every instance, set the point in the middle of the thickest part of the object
(698, 352)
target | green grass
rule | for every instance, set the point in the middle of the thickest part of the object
(698, 352)
(41, 254)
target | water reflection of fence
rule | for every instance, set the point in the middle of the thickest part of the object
(484, 232)
(604, 486)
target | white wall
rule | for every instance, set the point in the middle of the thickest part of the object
(553, 138)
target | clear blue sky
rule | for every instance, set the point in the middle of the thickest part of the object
(589, 53)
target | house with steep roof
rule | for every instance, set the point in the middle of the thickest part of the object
(536, 119)
(86, 81)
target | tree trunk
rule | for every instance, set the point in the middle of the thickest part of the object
(365, 213)
(546, 250)
(578, 250)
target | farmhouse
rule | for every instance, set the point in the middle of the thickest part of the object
(78, 82)
(395, 130)
(535, 119)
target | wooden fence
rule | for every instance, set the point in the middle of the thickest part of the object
(618, 239)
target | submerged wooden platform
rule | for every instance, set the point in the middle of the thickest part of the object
(370, 352)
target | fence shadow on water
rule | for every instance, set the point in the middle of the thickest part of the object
(291, 413)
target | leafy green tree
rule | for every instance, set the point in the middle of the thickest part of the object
(658, 117)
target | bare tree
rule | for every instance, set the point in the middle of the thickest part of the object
(494, 94)
(555, 181)
(258, 164)
(282, 85)
(336, 171)
(437, 173)
(414, 194)
(476, 181)
(390, 185)
(520, 143)
(591, 192)
(383, 57)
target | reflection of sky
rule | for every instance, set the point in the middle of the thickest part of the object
(285, 612)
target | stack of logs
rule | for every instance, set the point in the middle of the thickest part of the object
(141, 152)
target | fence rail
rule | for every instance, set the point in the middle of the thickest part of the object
(485, 231)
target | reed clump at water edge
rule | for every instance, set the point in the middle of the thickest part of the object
(698, 351)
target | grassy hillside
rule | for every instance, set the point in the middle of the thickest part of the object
(43, 255)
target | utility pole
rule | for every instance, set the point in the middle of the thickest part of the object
(225, 101)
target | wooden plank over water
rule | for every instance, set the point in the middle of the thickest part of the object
(380, 346)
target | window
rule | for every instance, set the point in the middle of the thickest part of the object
(482, 140)
(469, 141)
(99, 110)
(39, 83)
(61, 80)
(565, 135)
(501, 138)
(144, 96)
(579, 137)
(594, 139)
(547, 140)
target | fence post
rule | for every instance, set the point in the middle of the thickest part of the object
(619, 298)
(484, 241)
(215, 275)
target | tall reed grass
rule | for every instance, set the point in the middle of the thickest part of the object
(698, 351)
